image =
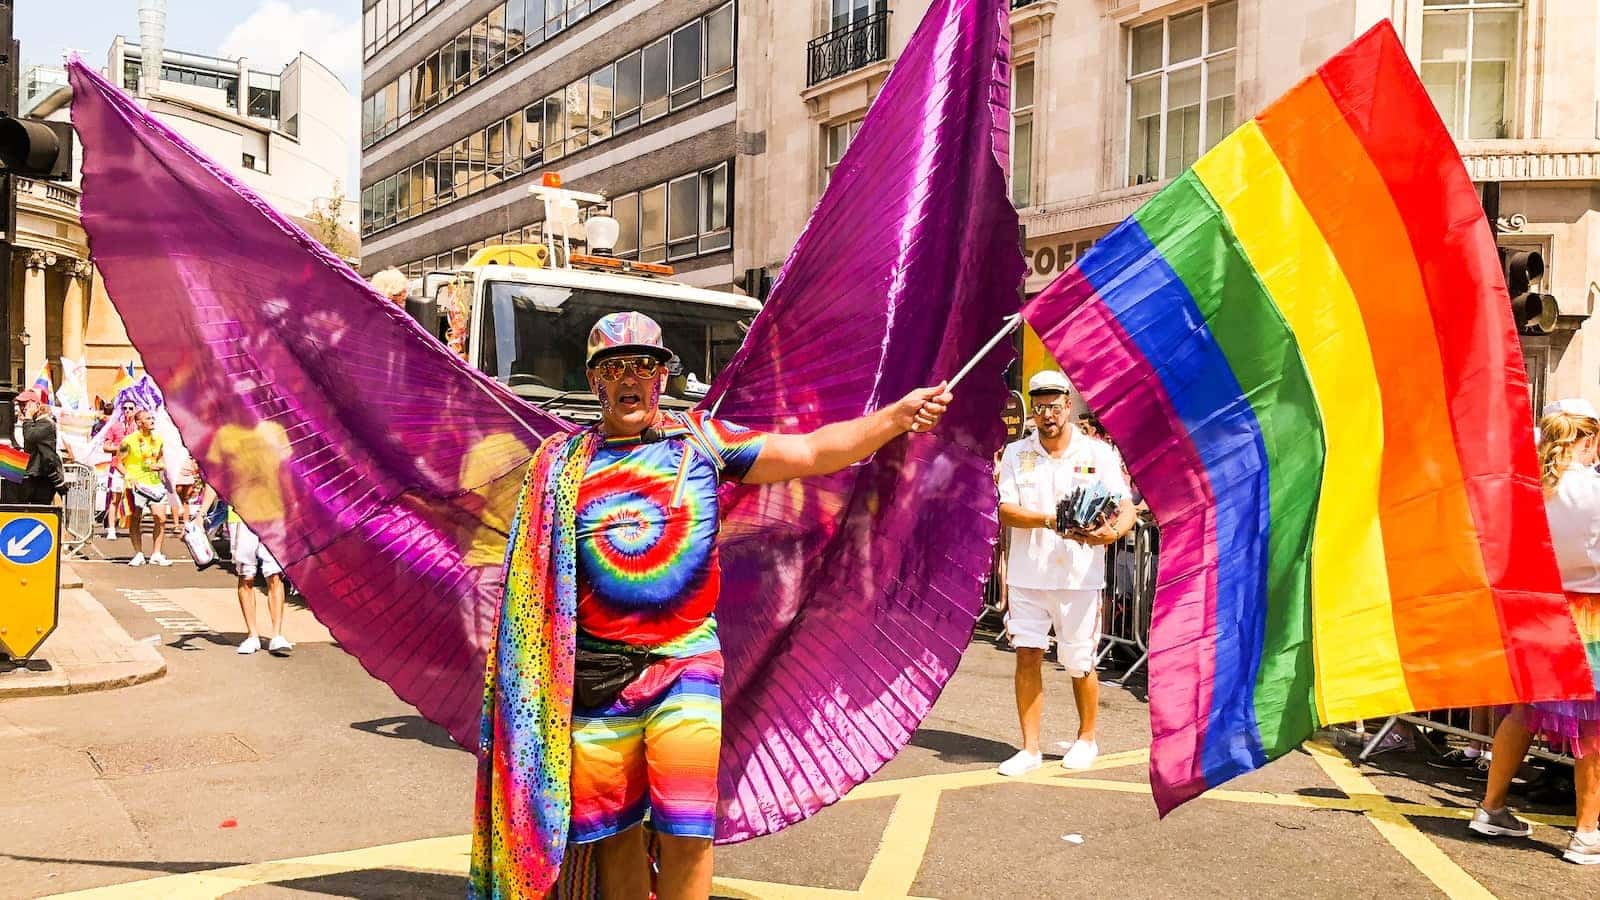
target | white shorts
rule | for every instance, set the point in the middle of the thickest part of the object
(249, 557)
(1075, 616)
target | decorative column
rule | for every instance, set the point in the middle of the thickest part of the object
(33, 314)
(78, 274)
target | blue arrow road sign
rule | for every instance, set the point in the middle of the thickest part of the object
(26, 540)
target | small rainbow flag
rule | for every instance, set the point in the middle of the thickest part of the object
(124, 379)
(1304, 348)
(13, 463)
(41, 383)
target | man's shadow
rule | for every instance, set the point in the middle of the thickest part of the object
(408, 728)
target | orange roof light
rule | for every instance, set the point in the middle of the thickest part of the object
(550, 179)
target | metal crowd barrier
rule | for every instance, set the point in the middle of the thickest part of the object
(1453, 722)
(77, 507)
(1129, 598)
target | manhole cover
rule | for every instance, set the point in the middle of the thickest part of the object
(168, 755)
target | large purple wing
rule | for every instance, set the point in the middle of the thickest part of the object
(377, 467)
(848, 600)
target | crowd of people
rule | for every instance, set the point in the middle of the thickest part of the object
(641, 468)
(151, 473)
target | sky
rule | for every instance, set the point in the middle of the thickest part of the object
(269, 32)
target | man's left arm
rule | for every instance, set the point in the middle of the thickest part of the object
(833, 447)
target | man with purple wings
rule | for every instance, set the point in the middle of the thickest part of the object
(851, 595)
(612, 580)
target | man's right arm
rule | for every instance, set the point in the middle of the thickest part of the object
(1014, 516)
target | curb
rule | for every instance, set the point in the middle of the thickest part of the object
(99, 654)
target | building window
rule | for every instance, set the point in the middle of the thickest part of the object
(686, 64)
(1181, 83)
(689, 63)
(625, 210)
(848, 12)
(693, 62)
(859, 36)
(1469, 64)
(837, 141)
(719, 51)
(1022, 89)
(654, 80)
(249, 161)
(628, 95)
(716, 209)
(653, 224)
(602, 95)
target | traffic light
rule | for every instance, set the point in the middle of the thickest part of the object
(1535, 313)
(35, 148)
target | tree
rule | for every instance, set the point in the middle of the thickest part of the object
(326, 217)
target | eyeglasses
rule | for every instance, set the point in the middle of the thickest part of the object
(641, 367)
(1054, 409)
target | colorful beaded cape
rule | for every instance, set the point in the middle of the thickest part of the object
(524, 797)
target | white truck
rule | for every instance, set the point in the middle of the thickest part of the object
(522, 313)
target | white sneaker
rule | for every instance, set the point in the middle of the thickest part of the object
(1081, 755)
(249, 645)
(157, 559)
(279, 646)
(138, 560)
(1021, 764)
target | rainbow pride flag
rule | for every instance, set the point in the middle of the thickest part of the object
(13, 463)
(1304, 348)
(124, 379)
(41, 384)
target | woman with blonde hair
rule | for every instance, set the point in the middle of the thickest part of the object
(1569, 446)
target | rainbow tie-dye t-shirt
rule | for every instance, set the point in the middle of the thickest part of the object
(647, 528)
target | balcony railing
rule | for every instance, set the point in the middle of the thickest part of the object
(861, 43)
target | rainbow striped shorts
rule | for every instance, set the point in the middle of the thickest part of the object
(654, 750)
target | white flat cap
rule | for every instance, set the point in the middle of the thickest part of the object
(1049, 382)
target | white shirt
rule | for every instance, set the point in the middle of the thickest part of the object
(1574, 512)
(1036, 481)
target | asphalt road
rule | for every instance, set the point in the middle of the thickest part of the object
(260, 776)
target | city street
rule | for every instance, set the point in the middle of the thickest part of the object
(260, 776)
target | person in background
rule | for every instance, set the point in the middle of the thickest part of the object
(1569, 446)
(44, 477)
(1055, 579)
(392, 283)
(250, 557)
(143, 460)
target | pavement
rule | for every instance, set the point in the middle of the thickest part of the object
(270, 777)
(88, 651)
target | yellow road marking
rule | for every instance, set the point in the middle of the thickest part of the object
(951, 781)
(900, 853)
(902, 848)
(1390, 820)
(446, 854)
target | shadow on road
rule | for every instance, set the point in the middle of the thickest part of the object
(408, 728)
(168, 867)
(961, 748)
(380, 884)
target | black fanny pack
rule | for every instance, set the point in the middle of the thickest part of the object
(600, 675)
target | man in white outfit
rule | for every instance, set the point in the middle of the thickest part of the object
(1055, 579)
